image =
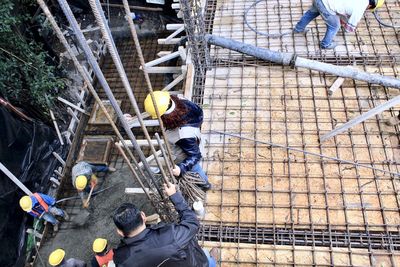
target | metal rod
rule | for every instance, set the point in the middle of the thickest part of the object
(85, 75)
(135, 7)
(291, 59)
(379, 109)
(101, 21)
(308, 153)
(58, 157)
(147, 78)
(53, 118)
(72, 105)
(122, 152)
(96, 68)
(164, 153)
(15, 180)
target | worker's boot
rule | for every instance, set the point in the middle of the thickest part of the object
(66, 216)
(393, 121)
(111, 169)
(205, 187)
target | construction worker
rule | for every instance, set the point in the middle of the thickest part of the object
(103, 256)
(182, 120)
(335, 13)
(82, 172)
(43, 206)
(164, 245)
(57, 258)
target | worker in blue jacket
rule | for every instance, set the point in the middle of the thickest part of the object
(43, 207)
(182, 120)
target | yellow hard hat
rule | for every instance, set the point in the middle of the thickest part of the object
(56, 257)
(378, 4)
(81, 182)
(162, 100)
(99, 245)
(26, 203)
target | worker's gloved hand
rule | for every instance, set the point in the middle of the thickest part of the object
(176, 171)
(93, 181)
(170, 189)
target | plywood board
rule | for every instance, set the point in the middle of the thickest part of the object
(95, 149)
(99, 117)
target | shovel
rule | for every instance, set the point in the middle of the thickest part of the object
(86, 204)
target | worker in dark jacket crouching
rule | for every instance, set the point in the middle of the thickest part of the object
(161, 245)
(182, 119)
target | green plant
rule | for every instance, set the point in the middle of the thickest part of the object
(26, 74)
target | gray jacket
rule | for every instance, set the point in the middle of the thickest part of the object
(73, 263)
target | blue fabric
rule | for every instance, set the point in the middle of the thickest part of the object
(192, 150)
(211, 260)
(332, 22)
(36, 205)
(197, 168)
(48, 217)
(194, 116)
(99, 168)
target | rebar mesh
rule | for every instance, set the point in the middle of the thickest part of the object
(271, 206)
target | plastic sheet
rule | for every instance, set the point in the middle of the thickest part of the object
(26, 150)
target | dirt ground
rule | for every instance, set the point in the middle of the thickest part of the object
(77, 238)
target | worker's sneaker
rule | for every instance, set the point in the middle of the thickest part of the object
(214, 253)
(205, 187)
(301, 32)
(55, 228)
(111, 169)
(331, 46)
(393, 121)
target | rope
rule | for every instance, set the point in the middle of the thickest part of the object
(383, 23)
(270, 35)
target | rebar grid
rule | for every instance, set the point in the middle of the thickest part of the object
(258, 186)
(288, 236)
(280, 15)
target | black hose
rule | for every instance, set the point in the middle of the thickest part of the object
(270, 35)
(94, 193)
(383, 23)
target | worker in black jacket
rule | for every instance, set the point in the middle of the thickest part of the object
(182, 120)
(164, 245)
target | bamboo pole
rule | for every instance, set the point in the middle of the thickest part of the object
(102, 23)
(88, 82)
(147, 78)
(15, 180)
